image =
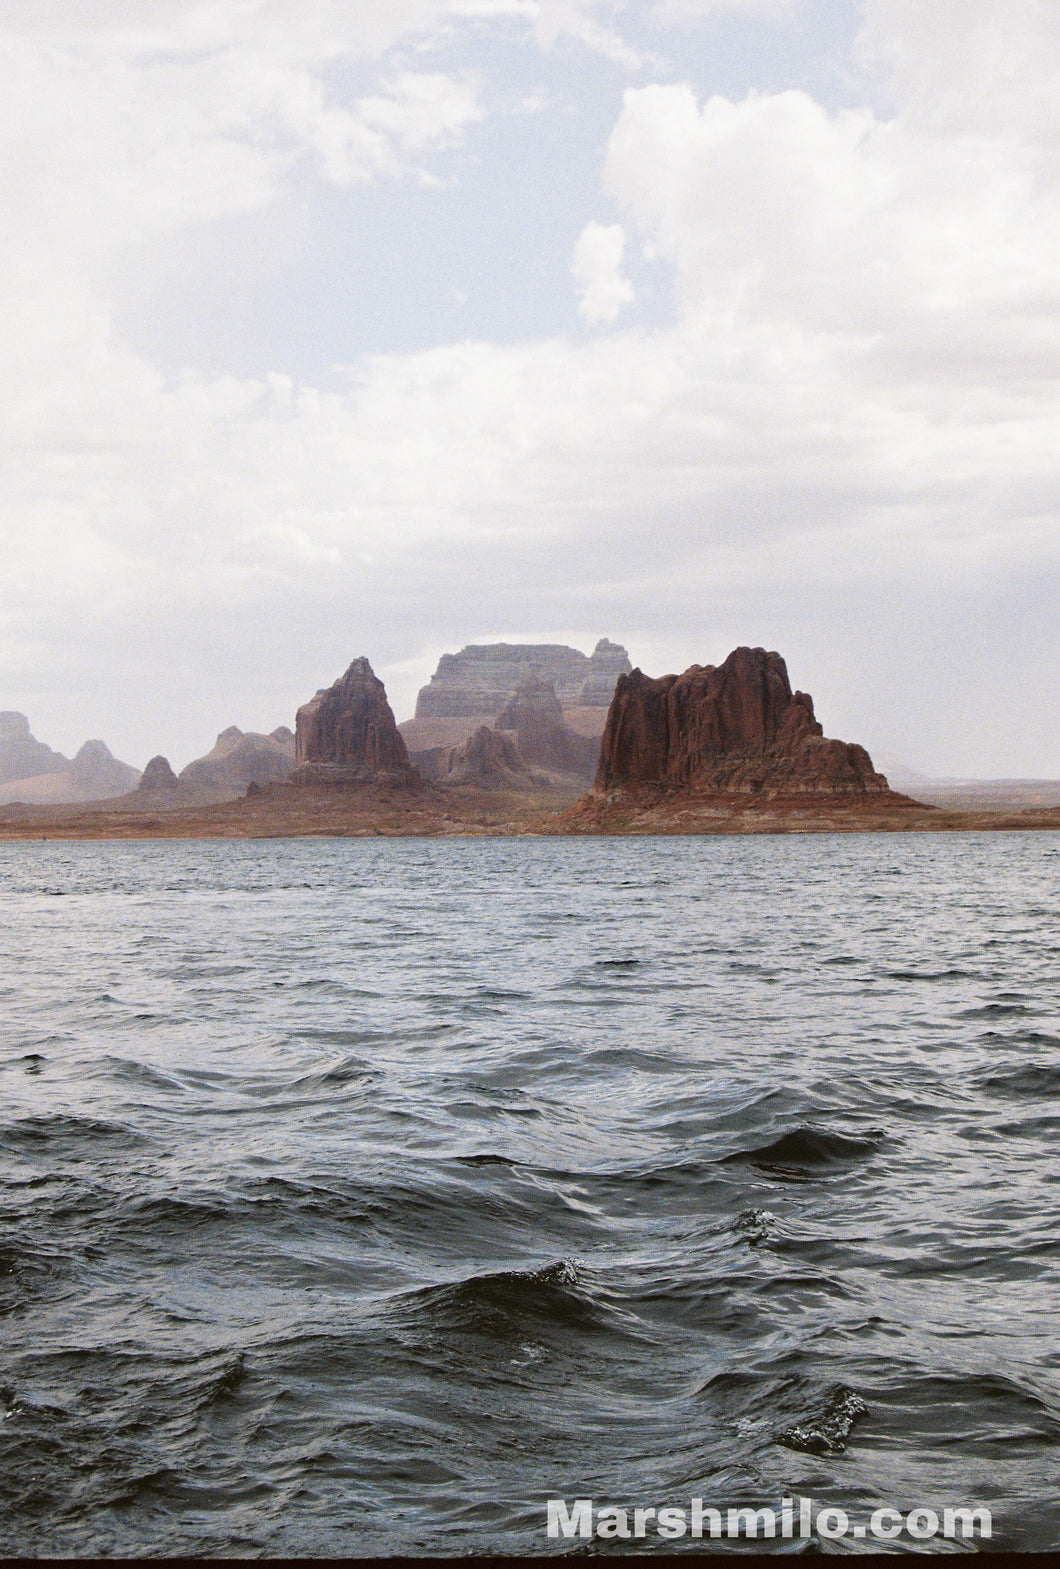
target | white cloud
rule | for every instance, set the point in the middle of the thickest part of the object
(602, 287)
(886, 234)
(670, 12)
(556, 19)
(851, 416)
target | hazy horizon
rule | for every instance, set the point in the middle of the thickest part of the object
(386, 327)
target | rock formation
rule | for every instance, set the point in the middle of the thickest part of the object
(157, 775)
(237, 760)
(534, 714)
(490, 760)
(607, 662)
(347, 733)
(95, 774)
(477, 682)
(21, 756)
(731, 729)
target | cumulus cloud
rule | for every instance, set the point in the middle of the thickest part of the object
(602, 287)
(848, 424)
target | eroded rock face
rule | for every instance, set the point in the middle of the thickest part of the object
(96, 774)
(607, 662)
(21, 755)
(490, 760)
(534, 715)
(734, 728)
(348, 731)
(238, 760)
(477, 682)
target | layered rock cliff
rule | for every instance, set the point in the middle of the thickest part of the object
(731, 729)
(478, 681)
(348, 733)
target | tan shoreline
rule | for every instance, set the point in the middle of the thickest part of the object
(287, 811)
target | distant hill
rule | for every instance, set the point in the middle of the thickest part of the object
(95, 774)
(21, 755)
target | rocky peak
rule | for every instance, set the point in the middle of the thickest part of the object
(348, 730)
(489, 760)
(157, 775)
(21, 756)
(97, 774)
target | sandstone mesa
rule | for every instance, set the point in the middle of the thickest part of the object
(730, 729)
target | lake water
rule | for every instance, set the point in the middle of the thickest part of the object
(360, 1196)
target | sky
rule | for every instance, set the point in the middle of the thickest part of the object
(379, 327)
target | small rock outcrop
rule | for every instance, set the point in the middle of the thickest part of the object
(348, 733)
(477, 682)
(490, 760)
(731, 729)
(534, 715)
(21, 755)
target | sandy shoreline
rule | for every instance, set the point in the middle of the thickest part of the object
(290, 812)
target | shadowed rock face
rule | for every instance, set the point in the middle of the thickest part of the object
(533, 712)
(733, 728)
(349, 731)
(490, 760)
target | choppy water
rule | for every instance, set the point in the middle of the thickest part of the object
(359, 1196)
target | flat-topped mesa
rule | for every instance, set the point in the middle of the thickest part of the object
(477, 682)
(347, 733)
(730, 729)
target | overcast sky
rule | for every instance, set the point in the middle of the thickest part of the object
(384, 326)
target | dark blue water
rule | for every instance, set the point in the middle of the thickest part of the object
(359, 1196)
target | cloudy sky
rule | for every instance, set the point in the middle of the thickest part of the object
(383, 326)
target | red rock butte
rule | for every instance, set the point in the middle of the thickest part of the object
(730, 729)
(348, 733)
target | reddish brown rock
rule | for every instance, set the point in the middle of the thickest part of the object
(730, 729)
(534, 714)
(348, 733)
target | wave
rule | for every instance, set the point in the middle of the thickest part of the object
(62, 1132)
(809, 1148)
(1030, 1078)
(825, 1432)
(507, 1303)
